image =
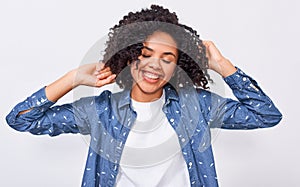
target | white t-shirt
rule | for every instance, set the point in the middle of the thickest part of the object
(152, 155)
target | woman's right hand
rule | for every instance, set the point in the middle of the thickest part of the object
(95, 75)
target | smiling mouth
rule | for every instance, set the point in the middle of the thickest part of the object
(152, 77)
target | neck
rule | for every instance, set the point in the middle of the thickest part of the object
(141, 96)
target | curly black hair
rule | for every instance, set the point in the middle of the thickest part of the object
(125, 44)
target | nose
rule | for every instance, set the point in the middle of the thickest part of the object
(154, 63)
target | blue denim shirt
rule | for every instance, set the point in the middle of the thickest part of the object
(108, 118)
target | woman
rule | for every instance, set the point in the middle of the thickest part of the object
(155, 132)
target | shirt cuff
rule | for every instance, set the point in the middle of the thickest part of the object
(37, 101)
(240, 80)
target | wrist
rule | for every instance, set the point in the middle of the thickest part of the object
(60, 87)
(74, 80)
(226, 68)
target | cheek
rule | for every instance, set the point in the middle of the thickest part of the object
(134, 69)
(169, 70)
(136, 66)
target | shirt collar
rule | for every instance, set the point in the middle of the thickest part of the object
(171, 93)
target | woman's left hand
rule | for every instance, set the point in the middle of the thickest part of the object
(216, 61)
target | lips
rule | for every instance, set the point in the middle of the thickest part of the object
(151, 76)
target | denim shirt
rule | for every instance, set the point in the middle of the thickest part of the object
(108, 118)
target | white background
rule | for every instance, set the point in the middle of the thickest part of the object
(42, 40)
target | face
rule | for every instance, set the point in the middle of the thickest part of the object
(156, 67)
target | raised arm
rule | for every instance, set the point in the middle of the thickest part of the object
(36, 115)
(253, 109)
(94, 75)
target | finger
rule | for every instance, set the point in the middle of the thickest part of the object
(208, 45)
(108, 80)
(101, 69)
(105, 70)
(99, 66)
(104, 75)
(207, 42)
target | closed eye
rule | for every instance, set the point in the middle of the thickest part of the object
(146, 56)
(166, 61)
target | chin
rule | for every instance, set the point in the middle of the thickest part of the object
(149, 89)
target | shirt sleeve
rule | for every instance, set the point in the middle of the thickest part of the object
(252, 109)
(45, 119)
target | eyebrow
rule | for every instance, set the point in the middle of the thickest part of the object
(165, 53)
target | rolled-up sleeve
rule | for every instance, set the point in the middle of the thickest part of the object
(44, 118)
(252, 109)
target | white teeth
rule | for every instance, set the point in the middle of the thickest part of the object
(150, 75)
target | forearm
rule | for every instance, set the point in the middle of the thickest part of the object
(254, 109)
(60, 87)
(217, 62)
(88, 74)
(94, 75)
(225, 68)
